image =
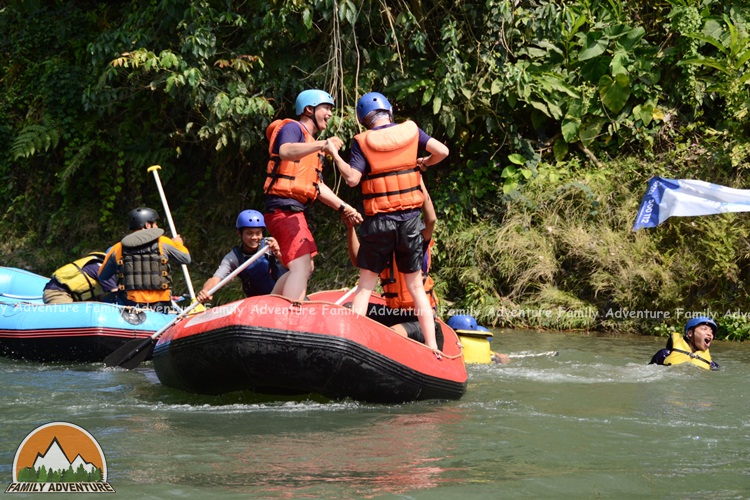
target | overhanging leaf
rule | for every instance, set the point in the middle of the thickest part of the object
(517, 159)
(570, 127)
(437, 103)
(632, 38)
(594, 46)
(560, 149)
(614, 92)
(589, 131)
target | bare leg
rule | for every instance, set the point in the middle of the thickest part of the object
(278, 288)
(422, 307)
(295, 285)
(367, 282)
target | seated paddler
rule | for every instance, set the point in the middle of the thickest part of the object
(79, 281)
(690, 347)
(142, 262)
(262, 277)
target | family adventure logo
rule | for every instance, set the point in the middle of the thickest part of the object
(59, 458)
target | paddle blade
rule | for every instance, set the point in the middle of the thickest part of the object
(131, 354)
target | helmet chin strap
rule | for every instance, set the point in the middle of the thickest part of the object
(315, 120)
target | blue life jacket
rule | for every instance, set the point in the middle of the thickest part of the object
(259, 277)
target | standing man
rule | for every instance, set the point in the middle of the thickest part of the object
(399, 311)
(141, 262)
(294, 181)
(385, 161)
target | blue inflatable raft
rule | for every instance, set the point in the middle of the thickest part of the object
(76, 332)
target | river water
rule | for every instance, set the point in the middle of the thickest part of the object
(594, 421)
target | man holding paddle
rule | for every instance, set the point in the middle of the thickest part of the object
(141, 262)
(261, 277)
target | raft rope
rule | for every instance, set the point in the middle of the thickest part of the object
(21, 297)
(135, 309)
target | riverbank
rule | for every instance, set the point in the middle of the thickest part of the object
(558, 254)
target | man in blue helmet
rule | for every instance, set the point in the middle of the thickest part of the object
(398, 311)
(294, 180)
(261, 277)
(690, 347)
(385, 161)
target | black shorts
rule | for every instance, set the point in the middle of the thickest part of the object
(388, 316)
(414, 332)
(380, 238)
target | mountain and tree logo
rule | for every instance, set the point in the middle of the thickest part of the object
(59, 457)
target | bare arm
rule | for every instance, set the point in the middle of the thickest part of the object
(203, 296)
(352, 242)
(351, 176)
(430, 217)
(438, 152)
(295, 150)
(329, 198)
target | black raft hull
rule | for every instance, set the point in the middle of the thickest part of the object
(357, 358)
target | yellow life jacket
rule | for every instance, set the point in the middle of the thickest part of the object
(683, 353)
(393, 182)
(80, 285)
(297, 179)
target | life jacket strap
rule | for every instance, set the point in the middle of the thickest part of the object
(692, 355)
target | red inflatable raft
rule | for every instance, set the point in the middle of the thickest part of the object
(271, 345)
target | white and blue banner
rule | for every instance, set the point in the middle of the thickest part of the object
(683, 198)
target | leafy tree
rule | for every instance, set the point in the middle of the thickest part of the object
(28, 475)
(538, 101)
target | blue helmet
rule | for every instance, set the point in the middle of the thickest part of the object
(250, 218)
(372, 101)
(481, 328)
(312, 97)
(701, 320)
(462, 322)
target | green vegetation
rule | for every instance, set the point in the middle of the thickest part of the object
(556, 113)
(31, 475)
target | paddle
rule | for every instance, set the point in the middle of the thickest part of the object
(533, 354)
(155, 169)
(134, 352)
(348, 294)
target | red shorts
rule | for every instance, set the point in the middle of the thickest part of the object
(292, 233)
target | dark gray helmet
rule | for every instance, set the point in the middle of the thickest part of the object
(137, 218)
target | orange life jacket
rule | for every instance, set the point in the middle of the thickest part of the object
(396, 293)
(292, 179)
(393, 182)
